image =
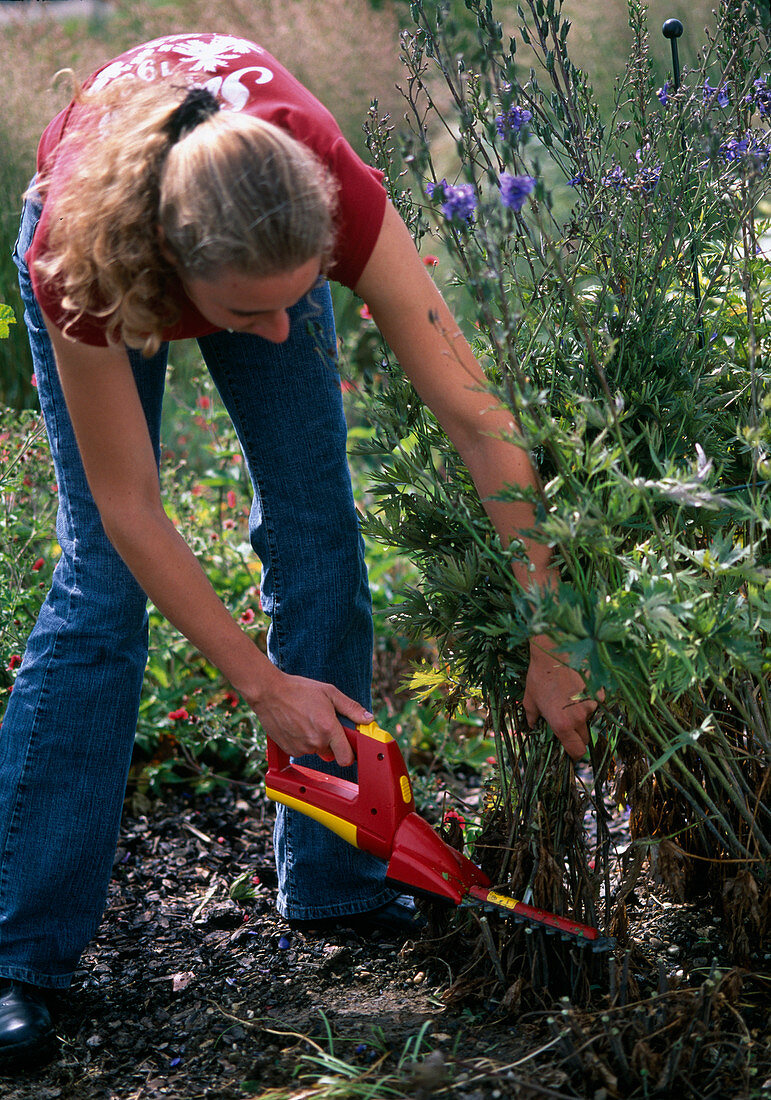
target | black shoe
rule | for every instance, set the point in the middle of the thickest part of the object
(26, 1029)
(397, 919)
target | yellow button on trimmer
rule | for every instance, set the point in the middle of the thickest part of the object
(373, 730)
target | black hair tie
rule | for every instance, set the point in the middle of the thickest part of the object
(198, 105)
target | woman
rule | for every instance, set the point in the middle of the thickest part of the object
(196, 189)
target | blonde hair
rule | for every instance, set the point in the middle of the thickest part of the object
(235, 192)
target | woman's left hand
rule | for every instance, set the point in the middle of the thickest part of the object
(555, 692)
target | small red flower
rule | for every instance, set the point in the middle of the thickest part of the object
(38, 565)
(453, 815)
(14, 662)
(33, 380)
(365, 313)
(247, 617)
(230, 699)
(180, 715)
(231, 498)
(430, 261)
(203, 402)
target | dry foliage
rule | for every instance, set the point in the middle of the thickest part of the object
(345, 53)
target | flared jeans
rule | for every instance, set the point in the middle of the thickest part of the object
(67, 734)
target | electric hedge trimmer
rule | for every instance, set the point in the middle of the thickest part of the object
(378, 815)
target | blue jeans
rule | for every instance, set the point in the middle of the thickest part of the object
(68, 732)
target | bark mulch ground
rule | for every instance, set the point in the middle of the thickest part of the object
(188, 993)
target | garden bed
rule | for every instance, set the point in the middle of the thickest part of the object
(187, 993)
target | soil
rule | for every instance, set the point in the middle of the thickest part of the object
(188, 993)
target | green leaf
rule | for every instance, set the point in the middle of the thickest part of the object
(7, 318)
(686, 739)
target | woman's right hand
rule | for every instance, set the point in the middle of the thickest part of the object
(300, 715)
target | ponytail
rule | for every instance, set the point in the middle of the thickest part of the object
(157, 164)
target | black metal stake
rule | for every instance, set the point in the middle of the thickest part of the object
(672, 30)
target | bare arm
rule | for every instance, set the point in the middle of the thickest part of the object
(424, 336)
(109, 423)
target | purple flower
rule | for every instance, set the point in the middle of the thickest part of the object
(436, 190)
(616, 178)
(735, 148)
(663, 94)
(750, 149)
(512, 121)
(515, 189)
(760, 98)
(647, 179)
(648, 175)
(458, 202)
(722, 95)
(576, 180)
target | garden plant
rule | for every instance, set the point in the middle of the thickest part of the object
(642, 393)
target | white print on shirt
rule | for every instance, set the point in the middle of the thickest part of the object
(192, 54)
(207, 55)
(233, 88)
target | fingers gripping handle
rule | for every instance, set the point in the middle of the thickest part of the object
(279, 761)
(366, 813)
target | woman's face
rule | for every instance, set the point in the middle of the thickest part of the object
(243, 303)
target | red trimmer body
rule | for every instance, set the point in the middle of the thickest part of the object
(377, 814)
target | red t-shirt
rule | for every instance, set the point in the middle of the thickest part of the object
(245, 78)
